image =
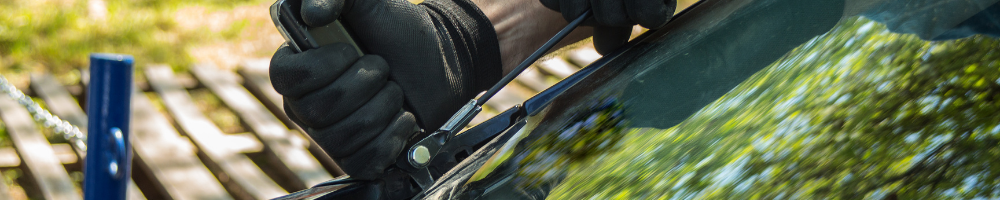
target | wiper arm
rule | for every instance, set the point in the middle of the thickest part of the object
(419, 155)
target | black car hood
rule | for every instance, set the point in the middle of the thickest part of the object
(701, 36)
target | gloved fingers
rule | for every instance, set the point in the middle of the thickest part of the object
(607, 39)
(571, 9)
(390, 28)
(371, 161)
(290, 114)
(294, 75)
(331, 104)
(610, 13)
(551, 4)
(651, 14)
(348, 135)
(320, 12)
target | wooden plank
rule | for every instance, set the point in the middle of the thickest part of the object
(285, 150)
(8, 158)
(133, 192)
(84, 80)
(4, 189)
(244, 143)
(584, 56)
(67, 156)
(40, 161)
(168, 158)
(60, 103)
(557, 67)
(58, 100)
(64, 153)
(533, 79)
(246, 179)
(185, 81)
(510, 95)
(256, 80)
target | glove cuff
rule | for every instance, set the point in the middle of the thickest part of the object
(474, 40)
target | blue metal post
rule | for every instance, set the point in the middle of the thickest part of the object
(109, 152)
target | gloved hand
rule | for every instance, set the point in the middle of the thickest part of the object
(613, 19)
(426, 60)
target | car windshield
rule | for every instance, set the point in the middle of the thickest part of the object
(774, 99)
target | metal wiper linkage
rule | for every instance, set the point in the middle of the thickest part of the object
(420, 155)
(414, 164)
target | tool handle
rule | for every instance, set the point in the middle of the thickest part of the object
(288, 20)
(332, 33)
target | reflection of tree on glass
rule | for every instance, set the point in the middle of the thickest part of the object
(856, 113)
(761, 33)
(816, 103)
(932, 19)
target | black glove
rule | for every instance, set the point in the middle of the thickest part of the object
(613, 19)
(428, 59)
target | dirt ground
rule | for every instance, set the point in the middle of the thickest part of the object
(258, 39)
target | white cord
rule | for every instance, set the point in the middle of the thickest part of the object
(60, 126)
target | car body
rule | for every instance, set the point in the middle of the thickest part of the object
(759, 99)
(771, 99)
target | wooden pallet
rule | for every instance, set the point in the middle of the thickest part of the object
(61, 103)
(181, 154)
(39, 161)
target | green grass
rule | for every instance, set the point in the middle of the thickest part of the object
(57, 37)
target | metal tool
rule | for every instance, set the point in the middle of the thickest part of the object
(430, 157)
(421, 154)
(287, 18)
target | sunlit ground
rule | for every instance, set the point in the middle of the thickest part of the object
(55, 36)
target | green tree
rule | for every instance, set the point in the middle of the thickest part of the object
(859, 112)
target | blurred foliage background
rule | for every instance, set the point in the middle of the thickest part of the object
(857, 113)
(56, 36)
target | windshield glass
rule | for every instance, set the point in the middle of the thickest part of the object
(776, 99)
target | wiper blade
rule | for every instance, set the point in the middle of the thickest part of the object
(420, 155)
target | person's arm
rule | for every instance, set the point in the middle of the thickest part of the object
(522, 26)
